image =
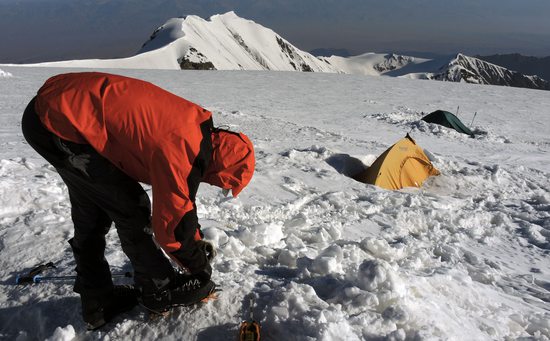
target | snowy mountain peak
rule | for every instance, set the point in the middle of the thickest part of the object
(467, 69)
(229, 15)
(164, 35)
(229, 42)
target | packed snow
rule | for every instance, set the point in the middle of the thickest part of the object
(323, 257)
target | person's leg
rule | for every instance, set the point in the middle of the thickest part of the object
(93, 281)
(91, 224)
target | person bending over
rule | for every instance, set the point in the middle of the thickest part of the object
(104, 134)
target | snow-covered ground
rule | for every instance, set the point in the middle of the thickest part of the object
(324, 257)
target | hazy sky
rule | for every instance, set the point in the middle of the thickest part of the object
(38, 30)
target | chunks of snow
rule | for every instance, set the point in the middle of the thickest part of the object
(5, 74)
(63, 334)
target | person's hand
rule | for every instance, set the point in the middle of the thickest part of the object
(208, 249)
(180, 279)
(198, 259)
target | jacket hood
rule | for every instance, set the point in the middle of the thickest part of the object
(233, 161)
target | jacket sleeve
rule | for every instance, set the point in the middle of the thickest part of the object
(175, 178)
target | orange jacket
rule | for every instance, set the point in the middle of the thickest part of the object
(152, 135)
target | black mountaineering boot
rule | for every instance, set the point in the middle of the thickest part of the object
(188, 289)
(98, 309)
(158, 296)
(154, 295)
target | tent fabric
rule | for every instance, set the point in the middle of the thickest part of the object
(402, 165)
(448, 120)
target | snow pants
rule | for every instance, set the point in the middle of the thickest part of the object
(100, 194)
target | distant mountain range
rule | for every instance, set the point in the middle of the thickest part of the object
(462, 68)
(523, 64)
(228, 42)
(473, 70)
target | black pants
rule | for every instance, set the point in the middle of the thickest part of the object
(100, 194)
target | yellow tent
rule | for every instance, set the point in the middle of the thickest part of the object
(403, 165)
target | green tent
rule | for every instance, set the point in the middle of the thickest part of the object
(448, 120)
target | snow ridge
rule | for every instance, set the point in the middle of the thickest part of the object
(372, 64)
(472, 70)
(228, 42)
